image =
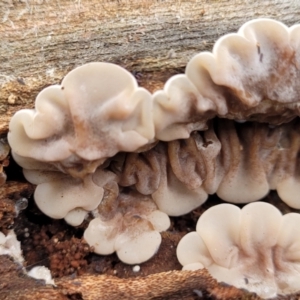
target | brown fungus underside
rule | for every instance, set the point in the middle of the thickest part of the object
(239, 162)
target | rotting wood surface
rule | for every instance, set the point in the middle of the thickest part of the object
(167, 285)
(42, 40)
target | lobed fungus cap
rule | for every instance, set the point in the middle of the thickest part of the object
(180, 109)
(97, 111)
(250, 75)
(59, 195)
(130, 227)
(173, 196)
(255, 248)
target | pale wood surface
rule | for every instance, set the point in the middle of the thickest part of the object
(41, 40)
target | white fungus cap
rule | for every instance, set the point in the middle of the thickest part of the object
(57, 198)
(255, 248)
(247, 64)
(59, 195)
(172, 196)
(245, 169)
(173, 107)
(132, 232)
(97, 111)
(138, 248)
(250, 74)
(288, 190)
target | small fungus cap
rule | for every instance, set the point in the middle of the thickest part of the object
(172, 196)
(132, 230)
(255, 248)
(59, 195)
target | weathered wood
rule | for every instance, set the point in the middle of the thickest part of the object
(176, 285)
(167, 285)
(41, 40)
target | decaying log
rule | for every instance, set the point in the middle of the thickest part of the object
(15, 190)
(42, 40)
(187, 285)
(167, 285)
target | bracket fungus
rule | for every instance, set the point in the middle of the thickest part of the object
(256, 248)
(250, 75)
(59, 195)
(241, 163)
(97, 111)
(229, 126)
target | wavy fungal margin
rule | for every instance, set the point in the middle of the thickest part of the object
(100, 136)
(256, 248)
(251, 75)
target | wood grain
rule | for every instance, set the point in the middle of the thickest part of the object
(42, 40)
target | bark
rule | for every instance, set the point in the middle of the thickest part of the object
(42, 40)
(172, 285)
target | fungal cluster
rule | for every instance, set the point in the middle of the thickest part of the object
(256, 248)
(98, 145)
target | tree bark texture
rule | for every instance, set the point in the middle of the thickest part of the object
(42, 40)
